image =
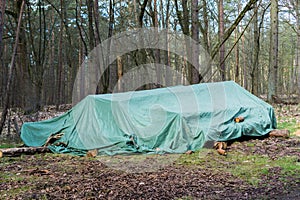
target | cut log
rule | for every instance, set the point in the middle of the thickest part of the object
(239, 119)
(13, 152)
(92, 153)
(279, 133)
(221, 148)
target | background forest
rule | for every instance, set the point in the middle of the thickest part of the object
(256, 43)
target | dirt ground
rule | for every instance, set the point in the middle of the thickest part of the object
(50, 176)
(201, 175)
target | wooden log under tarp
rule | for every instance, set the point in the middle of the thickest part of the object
(13, 152)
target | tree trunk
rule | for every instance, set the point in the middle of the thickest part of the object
(79, 22)
(183, 18)
(51, 80)
(96, 17)
(205, 36)
(254, 71)
(166, 54)
(195, 36)
(205, 28)
(120, 73)
(41, 58)
(156, 51)
(141, 53)
(273, 56)
(2, 14)
(297, 59)
(221, 36)
(237, 57)
(2, 68)
(261, 87)
(60, 59)
(111, 74)
(143, 10)
(89, 4)
(245, 69)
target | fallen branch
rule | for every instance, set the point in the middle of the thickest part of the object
(13, 152)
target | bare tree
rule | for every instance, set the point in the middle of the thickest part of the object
(228, 32)
(90, 8)
(254, 71)
(195, 36)
(2, 68)
(183, 19)
(297, 63)
(60, 74)
(273, 56)
(237, 51)
(11, 70)
(221, 36)
(295, 80)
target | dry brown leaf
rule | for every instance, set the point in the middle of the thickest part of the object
(297, 133)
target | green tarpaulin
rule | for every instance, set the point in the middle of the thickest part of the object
(172, 120)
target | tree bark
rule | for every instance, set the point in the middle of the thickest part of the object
(183, 18)
(205, 28)
(13, 152)
(256, 48)
(3, 69)
(111, 74)
(120, 72)
(79, 20)
(51, 80)
(166, 54)
(244, 67)
(156, 51)
(273, 56)
(90, 5)
(297, 59)
(195, 36)
(141, 53)
(221, 36)
(96, 17)
(237, 58)
(205, 35)
(60, 59)
(2, 11)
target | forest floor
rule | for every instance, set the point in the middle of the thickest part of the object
(266, 168)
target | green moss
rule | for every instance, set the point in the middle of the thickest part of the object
(7, 145)
(290, 165)
(250, 144)
(289, 124)
(247, 167)
(8, 177)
